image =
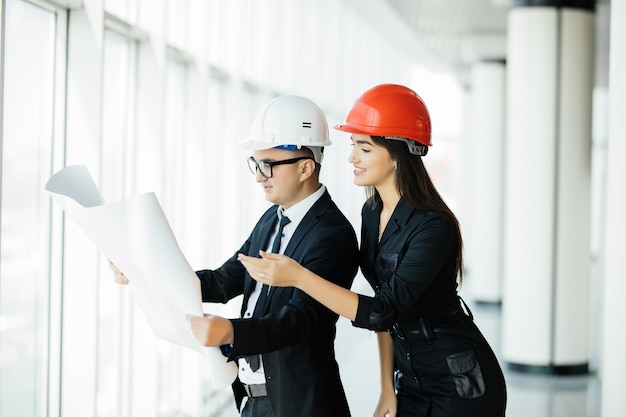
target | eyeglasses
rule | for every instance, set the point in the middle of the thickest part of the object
(265, 167)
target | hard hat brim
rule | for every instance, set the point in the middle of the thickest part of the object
(423, 138)
(351, 128)
(257, 145)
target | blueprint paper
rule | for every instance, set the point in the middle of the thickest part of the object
(135, 235)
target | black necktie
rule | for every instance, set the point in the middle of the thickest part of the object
(260, 304)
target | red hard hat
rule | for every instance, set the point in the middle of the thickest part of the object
(389, 110)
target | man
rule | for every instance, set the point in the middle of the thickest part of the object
(285, 346)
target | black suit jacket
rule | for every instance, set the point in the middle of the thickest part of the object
(296, 334)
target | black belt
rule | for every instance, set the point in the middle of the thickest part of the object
(255, 390)
(426, 332)
(424, 328)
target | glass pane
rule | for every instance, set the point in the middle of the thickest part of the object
(175, 139)
(170, 383)
(25, 225)
(117, 114)
(116, 149)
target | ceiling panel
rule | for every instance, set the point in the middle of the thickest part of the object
(453, 34)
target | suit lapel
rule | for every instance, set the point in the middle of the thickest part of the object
(400, 217)
(309, 221)
(370, 218)
(391, 228)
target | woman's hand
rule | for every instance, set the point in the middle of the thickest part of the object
(273, 269)
(282, 271)
(211, 330)
(387, 404)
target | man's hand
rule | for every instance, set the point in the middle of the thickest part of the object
(211, 330)
(120, 278)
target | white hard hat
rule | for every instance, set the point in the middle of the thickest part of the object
(289, 122)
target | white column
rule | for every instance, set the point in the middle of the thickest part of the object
(614, 343)
(487, 130)
(547, 188)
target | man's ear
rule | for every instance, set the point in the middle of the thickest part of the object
(307, 168)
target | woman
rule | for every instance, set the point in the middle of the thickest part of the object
(411, 254)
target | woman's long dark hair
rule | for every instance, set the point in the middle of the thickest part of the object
(416, 188)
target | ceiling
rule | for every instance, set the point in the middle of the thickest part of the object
(451, 35)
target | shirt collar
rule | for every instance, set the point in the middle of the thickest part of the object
(297, 212)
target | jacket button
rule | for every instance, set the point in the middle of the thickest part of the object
(408, 356)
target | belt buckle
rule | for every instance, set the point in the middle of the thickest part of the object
(255, 390)
(397, 332)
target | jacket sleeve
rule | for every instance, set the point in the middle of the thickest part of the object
(226, 282)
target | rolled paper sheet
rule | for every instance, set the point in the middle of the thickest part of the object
(135, 235)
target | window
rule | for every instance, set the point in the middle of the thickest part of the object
(27, 151)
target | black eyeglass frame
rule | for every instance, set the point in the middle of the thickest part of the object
(254, 167)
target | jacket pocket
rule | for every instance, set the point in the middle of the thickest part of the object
(386, 265)
(466, 374)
